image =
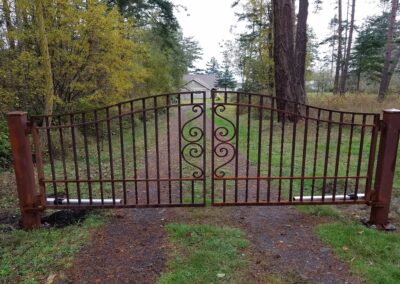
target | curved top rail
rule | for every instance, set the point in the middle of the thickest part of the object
(186, 93)
(289, 101)
(113, 105)
(110, 118)
(299, 115)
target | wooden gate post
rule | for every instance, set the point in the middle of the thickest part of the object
(23, 167)
(385, 168)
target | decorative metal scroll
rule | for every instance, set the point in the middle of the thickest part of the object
(193, 135)
(223, 136)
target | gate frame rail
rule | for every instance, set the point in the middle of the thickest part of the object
(32, 203)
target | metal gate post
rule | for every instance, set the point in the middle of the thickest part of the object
(23, 167)
(385, 168)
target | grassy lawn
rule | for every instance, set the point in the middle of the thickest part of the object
(204, 254)
(29, 257)
(372, 254)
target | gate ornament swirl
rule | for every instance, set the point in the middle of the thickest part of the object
(193, 135)
(224, 149)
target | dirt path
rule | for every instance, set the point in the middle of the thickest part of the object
(132, 248)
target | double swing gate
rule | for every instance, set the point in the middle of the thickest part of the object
(190, 149)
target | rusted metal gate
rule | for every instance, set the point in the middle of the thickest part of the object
(151, 152)
(277, 163)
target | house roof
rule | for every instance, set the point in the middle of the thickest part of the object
(206, 80)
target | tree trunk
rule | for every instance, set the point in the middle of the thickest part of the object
(394, 64)
(270, 14)
(347, 58)
(339, 51)
(45, 59)
(294, 23)
(385, 80)
(301, 48)
(284, 57)
(333, 50)
(344, 39)
(9, 25)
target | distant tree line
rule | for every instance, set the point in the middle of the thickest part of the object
(372, 58)
(278, 51)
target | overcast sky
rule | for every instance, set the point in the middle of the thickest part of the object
(212, 21)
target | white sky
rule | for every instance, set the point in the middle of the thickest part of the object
(212, 21)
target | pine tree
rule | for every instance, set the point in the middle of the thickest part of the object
(212, 66)
(226, 79)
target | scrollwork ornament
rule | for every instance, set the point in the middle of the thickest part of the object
(222, 150)
(194, 150)
(195, 133)
(222, 133)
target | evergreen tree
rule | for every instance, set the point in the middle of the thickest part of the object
(254, 50)
(226, 80)
(367, 56)
(212, 66)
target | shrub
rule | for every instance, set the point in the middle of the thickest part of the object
(5, 147)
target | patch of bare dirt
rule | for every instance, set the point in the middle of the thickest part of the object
(130, 249)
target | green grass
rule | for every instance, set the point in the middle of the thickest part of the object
(29, 257)
(204, 252)
(373, 254)
(317, 210)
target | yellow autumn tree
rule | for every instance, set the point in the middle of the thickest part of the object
(94, 58)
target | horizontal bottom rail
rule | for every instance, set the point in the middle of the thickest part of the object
(85, 201)
(121, 206)
(350, 196)
(120, 180)
(283, 203)
(288, 177)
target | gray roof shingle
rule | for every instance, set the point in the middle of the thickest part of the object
(207, 80)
